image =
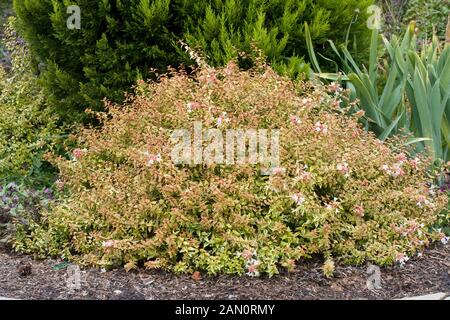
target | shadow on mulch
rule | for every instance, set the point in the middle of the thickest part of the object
(24, 278)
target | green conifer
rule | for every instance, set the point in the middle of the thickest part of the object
(120, 41)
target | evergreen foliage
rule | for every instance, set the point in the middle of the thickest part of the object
(121, 41)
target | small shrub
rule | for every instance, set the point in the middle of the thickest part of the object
(28, 129)
(339, 192)
(20, 205)
(443, 221)
(429, 15)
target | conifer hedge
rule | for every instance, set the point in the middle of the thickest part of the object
(120, 41)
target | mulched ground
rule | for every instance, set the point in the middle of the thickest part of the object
(24, 278)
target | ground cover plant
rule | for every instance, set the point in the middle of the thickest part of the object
(431, 16)
(338, 191)
(19, 205)
(28, 129)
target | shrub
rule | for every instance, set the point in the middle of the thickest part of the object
(20, 205)
(120, 41)
(429, 15)
(276, 26)
(443, 221)
(28, 129)
(338, 191)
(393, 16)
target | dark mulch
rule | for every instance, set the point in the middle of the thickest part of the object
(25, 278)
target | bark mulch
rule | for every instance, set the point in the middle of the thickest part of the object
(22, 277)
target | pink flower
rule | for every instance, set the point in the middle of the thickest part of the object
(359, 210)
(306, 101)
(252, 268)
(343, 168)
(230, 68)
(334, 87)
(415, 163)
(295, 120)
(386, 168)
(401, 258)
(298, 198)
(305, 176)
(247, 254)
(401, 158)
(333, 205)
(108, 244)
(397, 172)
(422, 200)
(319, 127)
(278, 171)
(222, 119)
(444, 240)
(60, 184)
(208, 79)
(152, 158)
(191, 106)
(78, 153)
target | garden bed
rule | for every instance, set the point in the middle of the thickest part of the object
(427, 274)
(173, 168)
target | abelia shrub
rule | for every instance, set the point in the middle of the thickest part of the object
(337, 191)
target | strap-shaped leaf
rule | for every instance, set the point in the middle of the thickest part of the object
(390, 129)
(310, 48)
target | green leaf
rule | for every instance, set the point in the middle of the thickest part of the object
(61, 266)
(310, 48)
(390, 129)
(373, 65)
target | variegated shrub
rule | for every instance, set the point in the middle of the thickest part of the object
(338, 192)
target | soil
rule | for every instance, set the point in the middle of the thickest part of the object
(22, 277)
